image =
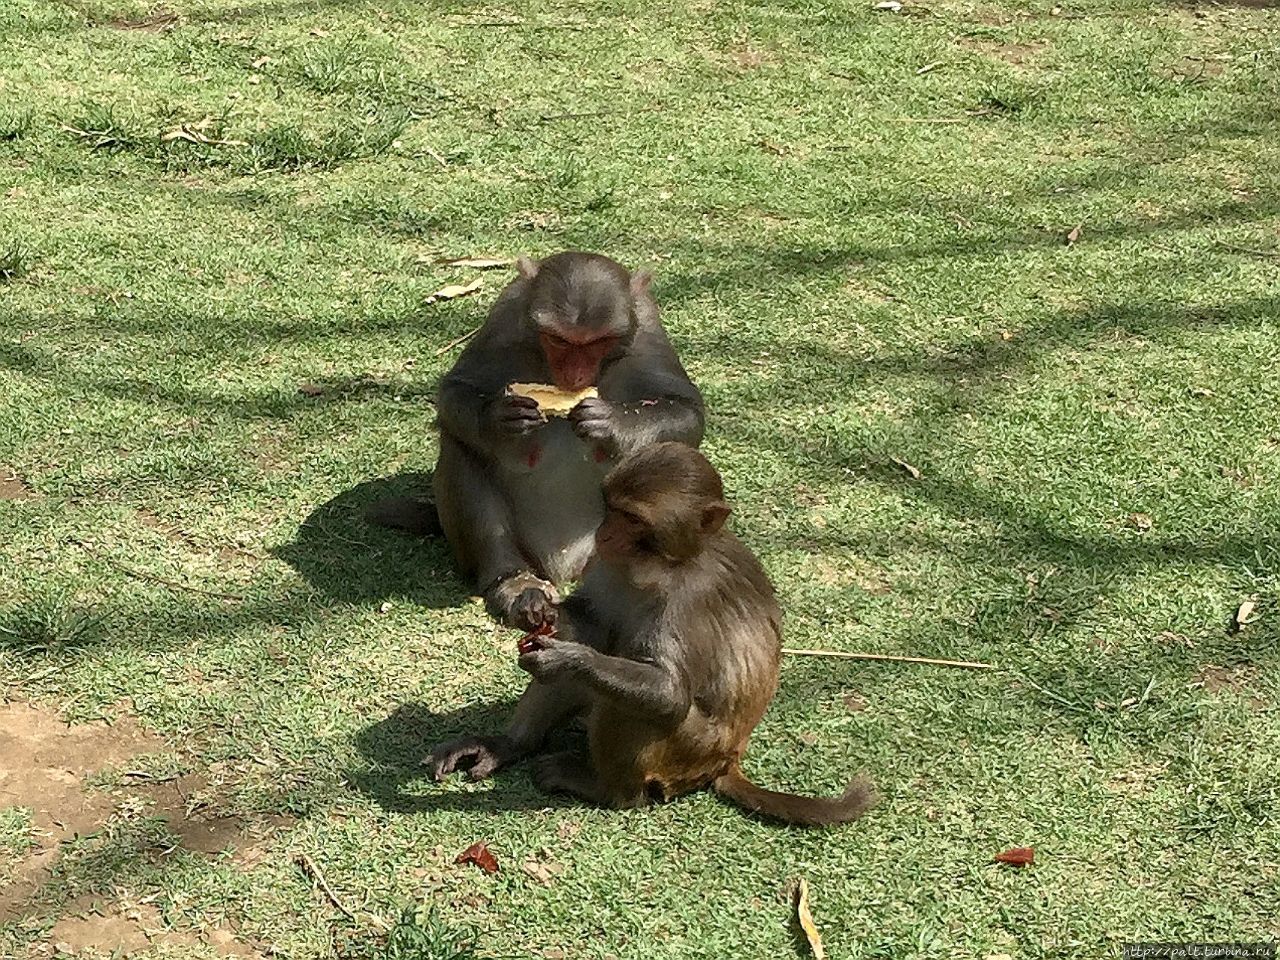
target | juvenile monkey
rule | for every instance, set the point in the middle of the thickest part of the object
(517, 493)
(670, 644)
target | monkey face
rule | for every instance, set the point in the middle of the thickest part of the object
(574, 364)
(582, 308)
(662, 503)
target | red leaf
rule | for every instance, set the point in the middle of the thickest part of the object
(480, 855)
(1018, 856)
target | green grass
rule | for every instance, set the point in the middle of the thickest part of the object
(860, 262)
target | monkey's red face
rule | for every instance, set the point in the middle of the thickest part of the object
(622, 536)
(575, 357)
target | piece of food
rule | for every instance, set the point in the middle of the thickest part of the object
(551, 400)
(533, 641)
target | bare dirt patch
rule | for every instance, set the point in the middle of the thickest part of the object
(122, 929)
(12, 486)
(157, 20)
(747, 57)
(1215, 679)
(46, 766)
(852, 571)
(1015, 54)
(1239, 680)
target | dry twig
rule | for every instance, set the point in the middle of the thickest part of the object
(310, 868)
(155, 578)
(893, 658)
(456, 341)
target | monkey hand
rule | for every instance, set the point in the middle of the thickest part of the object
(555, 659)
(596, 421)
(515, 415)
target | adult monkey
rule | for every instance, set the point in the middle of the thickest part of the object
(518, 494)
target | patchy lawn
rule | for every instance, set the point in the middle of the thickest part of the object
(984, 299)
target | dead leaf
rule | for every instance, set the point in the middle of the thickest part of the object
(479, 263)
(260, 63)
(892, 6)
(1140, 522)
(808, 738)
(1006, 335)
(310, 390)
(1074, 234)
(478, 854)
(806, 920)
(913, 471)
(544, 871)
(1244, 616)
(1016, 856)
(456, 290)
(317, 32)
(928, 67)
(195, 133)
(855, 702)
(1201, 392)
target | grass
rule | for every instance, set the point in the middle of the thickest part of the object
(861, 261)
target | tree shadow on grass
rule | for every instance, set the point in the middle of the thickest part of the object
(394, 776)
(345, 557)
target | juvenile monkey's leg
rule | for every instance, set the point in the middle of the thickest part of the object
(477, 522)
(542, 707)
(569, 772)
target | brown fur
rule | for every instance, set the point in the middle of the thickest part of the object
(674, 635)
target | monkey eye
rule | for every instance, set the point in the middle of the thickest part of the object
(555, 341)
(628, 516)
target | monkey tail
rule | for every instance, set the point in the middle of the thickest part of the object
(406, 513)
(790, 808)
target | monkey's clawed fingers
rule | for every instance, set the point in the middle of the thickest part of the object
(517, 415)
(556, 658)
(533, 609)
(481, 757)
(593, 419)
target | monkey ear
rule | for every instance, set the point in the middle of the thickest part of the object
(640, 281)
(528, 267)
(713, 517)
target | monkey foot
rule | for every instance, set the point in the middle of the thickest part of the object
(568, 772)
(481, 757)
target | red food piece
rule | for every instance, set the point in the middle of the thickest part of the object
(479, 855)
(533, 640)
(528, 644)
(1018, 856)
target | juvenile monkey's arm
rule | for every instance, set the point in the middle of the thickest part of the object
(654, 689)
